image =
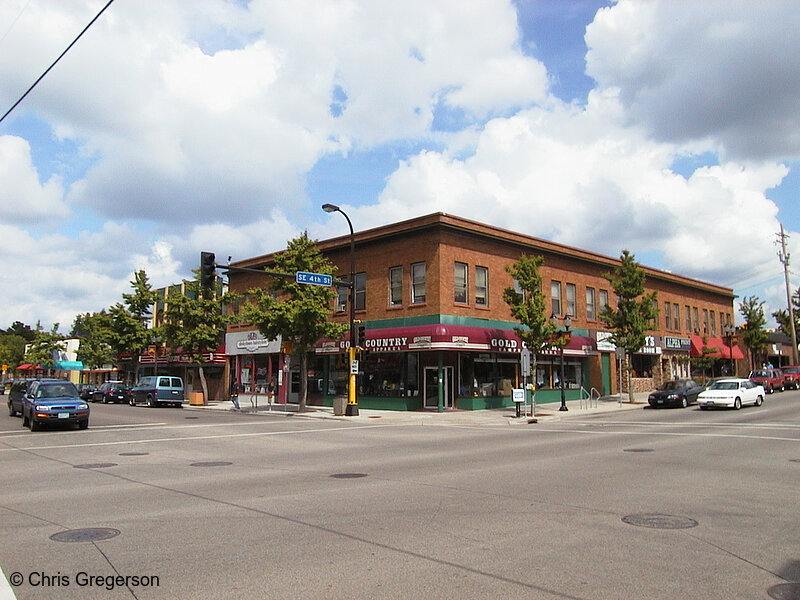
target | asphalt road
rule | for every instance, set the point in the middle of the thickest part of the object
(644, 504)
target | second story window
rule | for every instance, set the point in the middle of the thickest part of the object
(603, 301)
(667, 316)
(676, 316)
(418, 283)
(361, 291)
(688, 310)
(460, 283)
(591, 311)
(396, 286)
(341, 299)
(571, 308)
(555, 297)
(481, 286)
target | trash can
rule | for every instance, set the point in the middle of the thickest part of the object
(196, 399)
(339, 405)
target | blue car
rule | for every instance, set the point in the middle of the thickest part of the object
(54, 402)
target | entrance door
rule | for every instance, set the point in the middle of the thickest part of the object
(432, 387)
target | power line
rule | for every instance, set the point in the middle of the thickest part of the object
(60, 56)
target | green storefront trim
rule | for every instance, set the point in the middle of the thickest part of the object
(477, 403)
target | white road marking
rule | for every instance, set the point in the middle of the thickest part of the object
(199, 437)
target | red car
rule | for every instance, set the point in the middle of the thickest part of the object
(791, 377)
(770, 379)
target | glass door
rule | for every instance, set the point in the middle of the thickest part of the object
(432, 387)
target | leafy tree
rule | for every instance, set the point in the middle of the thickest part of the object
(782, 316)
(297, 312)
(94, 331)
(196, 321)
(45, 347)
(530, 306)
(752, 331)
(12, 350)
(22, 330)
(128, 332)
(636, 311)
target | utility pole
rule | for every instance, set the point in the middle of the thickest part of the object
(783, 255)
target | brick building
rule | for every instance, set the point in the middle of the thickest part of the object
(430, 292)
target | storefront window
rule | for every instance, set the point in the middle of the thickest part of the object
(389, 374)
(490, 375)
(643, 364)
(548, 374)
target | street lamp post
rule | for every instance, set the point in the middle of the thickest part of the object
(352, 398)
(567, 322)
(728, 330)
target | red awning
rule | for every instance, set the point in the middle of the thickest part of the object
(447, 337)
(714, 347)
(24, 367)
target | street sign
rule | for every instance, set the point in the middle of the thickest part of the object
(313, 278)
(518, 395)
(525, 357)
(353, 367)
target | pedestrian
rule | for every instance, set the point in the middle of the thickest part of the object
(235, 395)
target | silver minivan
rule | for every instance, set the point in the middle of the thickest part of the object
(156, 390)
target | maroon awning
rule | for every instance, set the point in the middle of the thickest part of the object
(446, 337)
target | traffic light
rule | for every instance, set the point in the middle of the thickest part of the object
(208, 272)
(361, 335)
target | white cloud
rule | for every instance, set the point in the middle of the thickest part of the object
(23, 198)
(726, 71)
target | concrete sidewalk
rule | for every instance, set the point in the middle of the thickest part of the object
(492, 417)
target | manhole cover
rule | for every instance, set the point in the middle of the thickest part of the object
(189, 417)
(90, 534)
(638, 450)
(134, 453)
(212, 463)
(785, 591)
(95, 465)
(797, 460)
(348, 475)
(374, 417)
(656, 521)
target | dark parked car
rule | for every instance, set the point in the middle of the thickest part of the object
(16, 394)
(85, 391)
(679, 392)
(112, 391)
(54, 402)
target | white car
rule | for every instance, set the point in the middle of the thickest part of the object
(731, 393)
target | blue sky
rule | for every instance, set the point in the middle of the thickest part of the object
(668, 128)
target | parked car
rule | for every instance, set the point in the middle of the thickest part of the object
(85, 391)
(732, 393)
(678, 392)
(771, 379)
(16, 394)
(158, 389)
(791, 377)
(52, 401)
(112, 391)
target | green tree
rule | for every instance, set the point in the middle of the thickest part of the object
(530, 307)
(196, 321)
(128, 332)
(752, 331)
(45, 347)
(94, 333)
(24, 331)
(636, 311)
(12, 350)
(782, 316)
(298, 313)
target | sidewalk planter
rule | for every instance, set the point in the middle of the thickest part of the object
(196, 399)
